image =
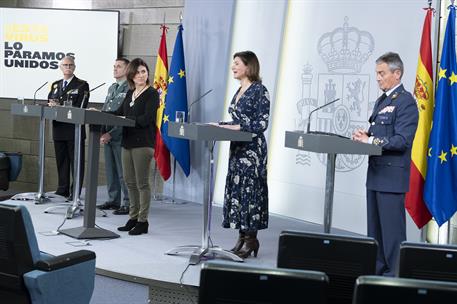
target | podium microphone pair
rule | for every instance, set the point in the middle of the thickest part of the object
(85, 93)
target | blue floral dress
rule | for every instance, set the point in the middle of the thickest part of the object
(246, 189)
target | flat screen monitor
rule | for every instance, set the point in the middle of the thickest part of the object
(34, 40)
(428, 261)
(382, 290)
(228, 283)
(342, 258)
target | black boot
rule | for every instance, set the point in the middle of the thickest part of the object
(130, 224)
(140, 227)
(239, 242)
(251, 244)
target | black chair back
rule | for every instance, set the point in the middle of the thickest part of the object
(15, 256)
(223, 283)
(428, 262)
(382, 290)
(342, 258)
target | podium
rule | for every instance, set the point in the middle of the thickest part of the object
(209, 134)
(29, 110)
(331, 145)
(94, 119)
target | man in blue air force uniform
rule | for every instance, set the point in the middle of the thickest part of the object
(72, 90)
(393, 124)
(111, 137)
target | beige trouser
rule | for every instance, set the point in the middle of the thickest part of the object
(136, 164)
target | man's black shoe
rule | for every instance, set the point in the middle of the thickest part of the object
(108, 206)
(122, 210)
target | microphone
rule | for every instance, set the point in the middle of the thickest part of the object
(86, 93)
(318, 108)
(97, 87)
(195, 101)
(34, 94)
(84, 99)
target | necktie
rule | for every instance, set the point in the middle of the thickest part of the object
(113, 94)
(64, 85)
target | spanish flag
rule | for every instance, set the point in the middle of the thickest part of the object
(423, 91)
(161, 153)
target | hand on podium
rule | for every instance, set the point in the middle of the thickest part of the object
(53, 102)
(360, 135)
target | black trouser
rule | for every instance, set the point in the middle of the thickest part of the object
(65, 151)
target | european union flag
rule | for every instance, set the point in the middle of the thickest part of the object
(440, 192)
(176, 100)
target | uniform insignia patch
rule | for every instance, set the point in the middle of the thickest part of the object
(388, 109)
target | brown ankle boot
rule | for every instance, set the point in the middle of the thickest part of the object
(251, 244)
(239, 243)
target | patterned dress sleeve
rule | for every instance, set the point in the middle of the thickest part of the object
(257, 113)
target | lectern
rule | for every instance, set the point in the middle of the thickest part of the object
(29, 110)
(330, 144)
(94, 119)
(209, 134)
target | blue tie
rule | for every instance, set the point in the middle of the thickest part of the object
(64, 85)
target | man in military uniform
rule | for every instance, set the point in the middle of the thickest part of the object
(111, 137)
(393, 124)
(74, 91)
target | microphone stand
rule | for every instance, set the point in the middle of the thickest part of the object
(34, 94)
(173, 194)
(195, 101)
(77, 163)
(75, 205)
(316, 109)
(39, 197)
(156, 196)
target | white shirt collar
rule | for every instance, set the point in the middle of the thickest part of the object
(68, 80)
(393, 89)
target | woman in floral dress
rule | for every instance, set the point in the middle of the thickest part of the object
(246, 189)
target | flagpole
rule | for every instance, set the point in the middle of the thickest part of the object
(436, 42)
(444, 230)
(435, 56)
(174, 181)
(155, 195)
(443, 235)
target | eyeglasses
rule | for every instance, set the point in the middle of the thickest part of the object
(67, 65)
